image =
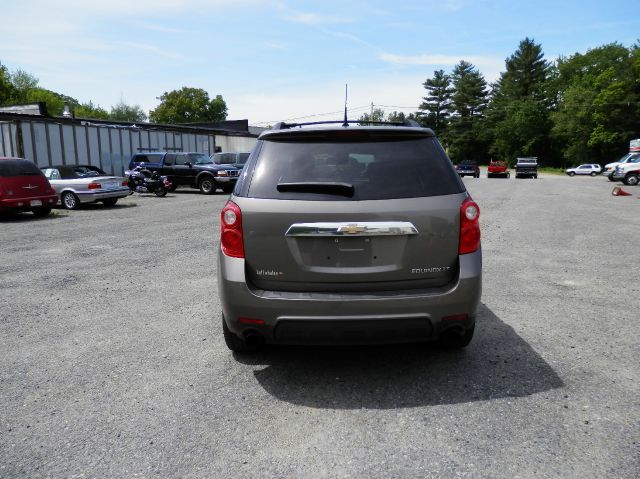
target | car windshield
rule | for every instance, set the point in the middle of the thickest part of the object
(352, 171)
(243, 157)
(224, 158)
(18, 168)
(199, 159)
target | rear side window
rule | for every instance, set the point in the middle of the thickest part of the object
(376, 170)
(19, 168)
(148, 158)
(243, 157)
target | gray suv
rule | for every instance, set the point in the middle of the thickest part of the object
(342, 234)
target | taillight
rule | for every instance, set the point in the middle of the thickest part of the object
(125, 183)
(231, 230)
(469, 227)
(94, 186)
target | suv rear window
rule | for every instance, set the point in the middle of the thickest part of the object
(376, 170)
(19, 168)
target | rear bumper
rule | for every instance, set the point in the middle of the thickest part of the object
(348, 318)
(98, 195)
(25, 204)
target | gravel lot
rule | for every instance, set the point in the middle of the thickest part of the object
(113, 362)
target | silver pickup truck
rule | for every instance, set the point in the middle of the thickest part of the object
(527, 167)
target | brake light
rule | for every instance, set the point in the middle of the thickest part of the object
(94, 186)
(469, 227)
(125, 183)
(231, 239)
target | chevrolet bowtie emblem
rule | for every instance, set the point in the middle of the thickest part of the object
(352, 229)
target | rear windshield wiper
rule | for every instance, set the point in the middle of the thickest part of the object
(327, 187)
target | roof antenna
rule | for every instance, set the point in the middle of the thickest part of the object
(346, 122)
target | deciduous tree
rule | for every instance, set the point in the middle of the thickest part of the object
(189, 105)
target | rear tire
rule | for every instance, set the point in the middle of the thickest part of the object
(458, 341)
(42, 211)
(593, 173)
(110, 202)
(571, 173)
(207, 185)
(161, 191)
(234, 342)
(69, 200)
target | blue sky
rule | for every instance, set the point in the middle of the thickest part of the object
(281, 60)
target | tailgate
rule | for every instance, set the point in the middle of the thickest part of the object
(351, 245)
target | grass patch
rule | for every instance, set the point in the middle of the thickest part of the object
(551, 170)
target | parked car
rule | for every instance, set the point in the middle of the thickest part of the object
(349, 234)
(196, 170)
(628, 172)
(587, 169)
(23, 187)
(498, 168)
(236, 159)
(634, 153)
(468, 167)
(527, 167)
(81, 184)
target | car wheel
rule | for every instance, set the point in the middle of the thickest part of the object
(110, 201)
(69, 200)
(42, 211)
(571, 173)
(452, 340)
(161, 191)
(610, 178)
(631, 180)
(535, 177)
(234, 342)
(207, 185)
(593, 173)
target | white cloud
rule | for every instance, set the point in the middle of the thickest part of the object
(308, 18)
(490, 67)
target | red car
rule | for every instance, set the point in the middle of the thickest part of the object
(23, 187)
(498, 168)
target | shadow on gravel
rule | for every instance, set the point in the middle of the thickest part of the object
(27, 216)
(498, 363)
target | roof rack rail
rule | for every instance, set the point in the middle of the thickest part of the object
(281, 125)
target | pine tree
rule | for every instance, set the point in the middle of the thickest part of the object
(434, 110)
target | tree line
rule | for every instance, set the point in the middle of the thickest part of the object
(186, 105)
(583, 108)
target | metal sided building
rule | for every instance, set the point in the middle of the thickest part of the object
(107, 144)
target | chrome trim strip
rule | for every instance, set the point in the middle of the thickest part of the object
(362, 228)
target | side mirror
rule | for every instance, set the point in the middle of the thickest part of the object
(189, 164)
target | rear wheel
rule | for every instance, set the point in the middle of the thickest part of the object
(571, 173)
(234, 342)
(631, 179)
(69, 200)
(207, 185)
(593, 173)
(42, 211)
(110, 201)
(453, 340)
(161, 191)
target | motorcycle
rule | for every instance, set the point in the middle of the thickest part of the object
(142, 180)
